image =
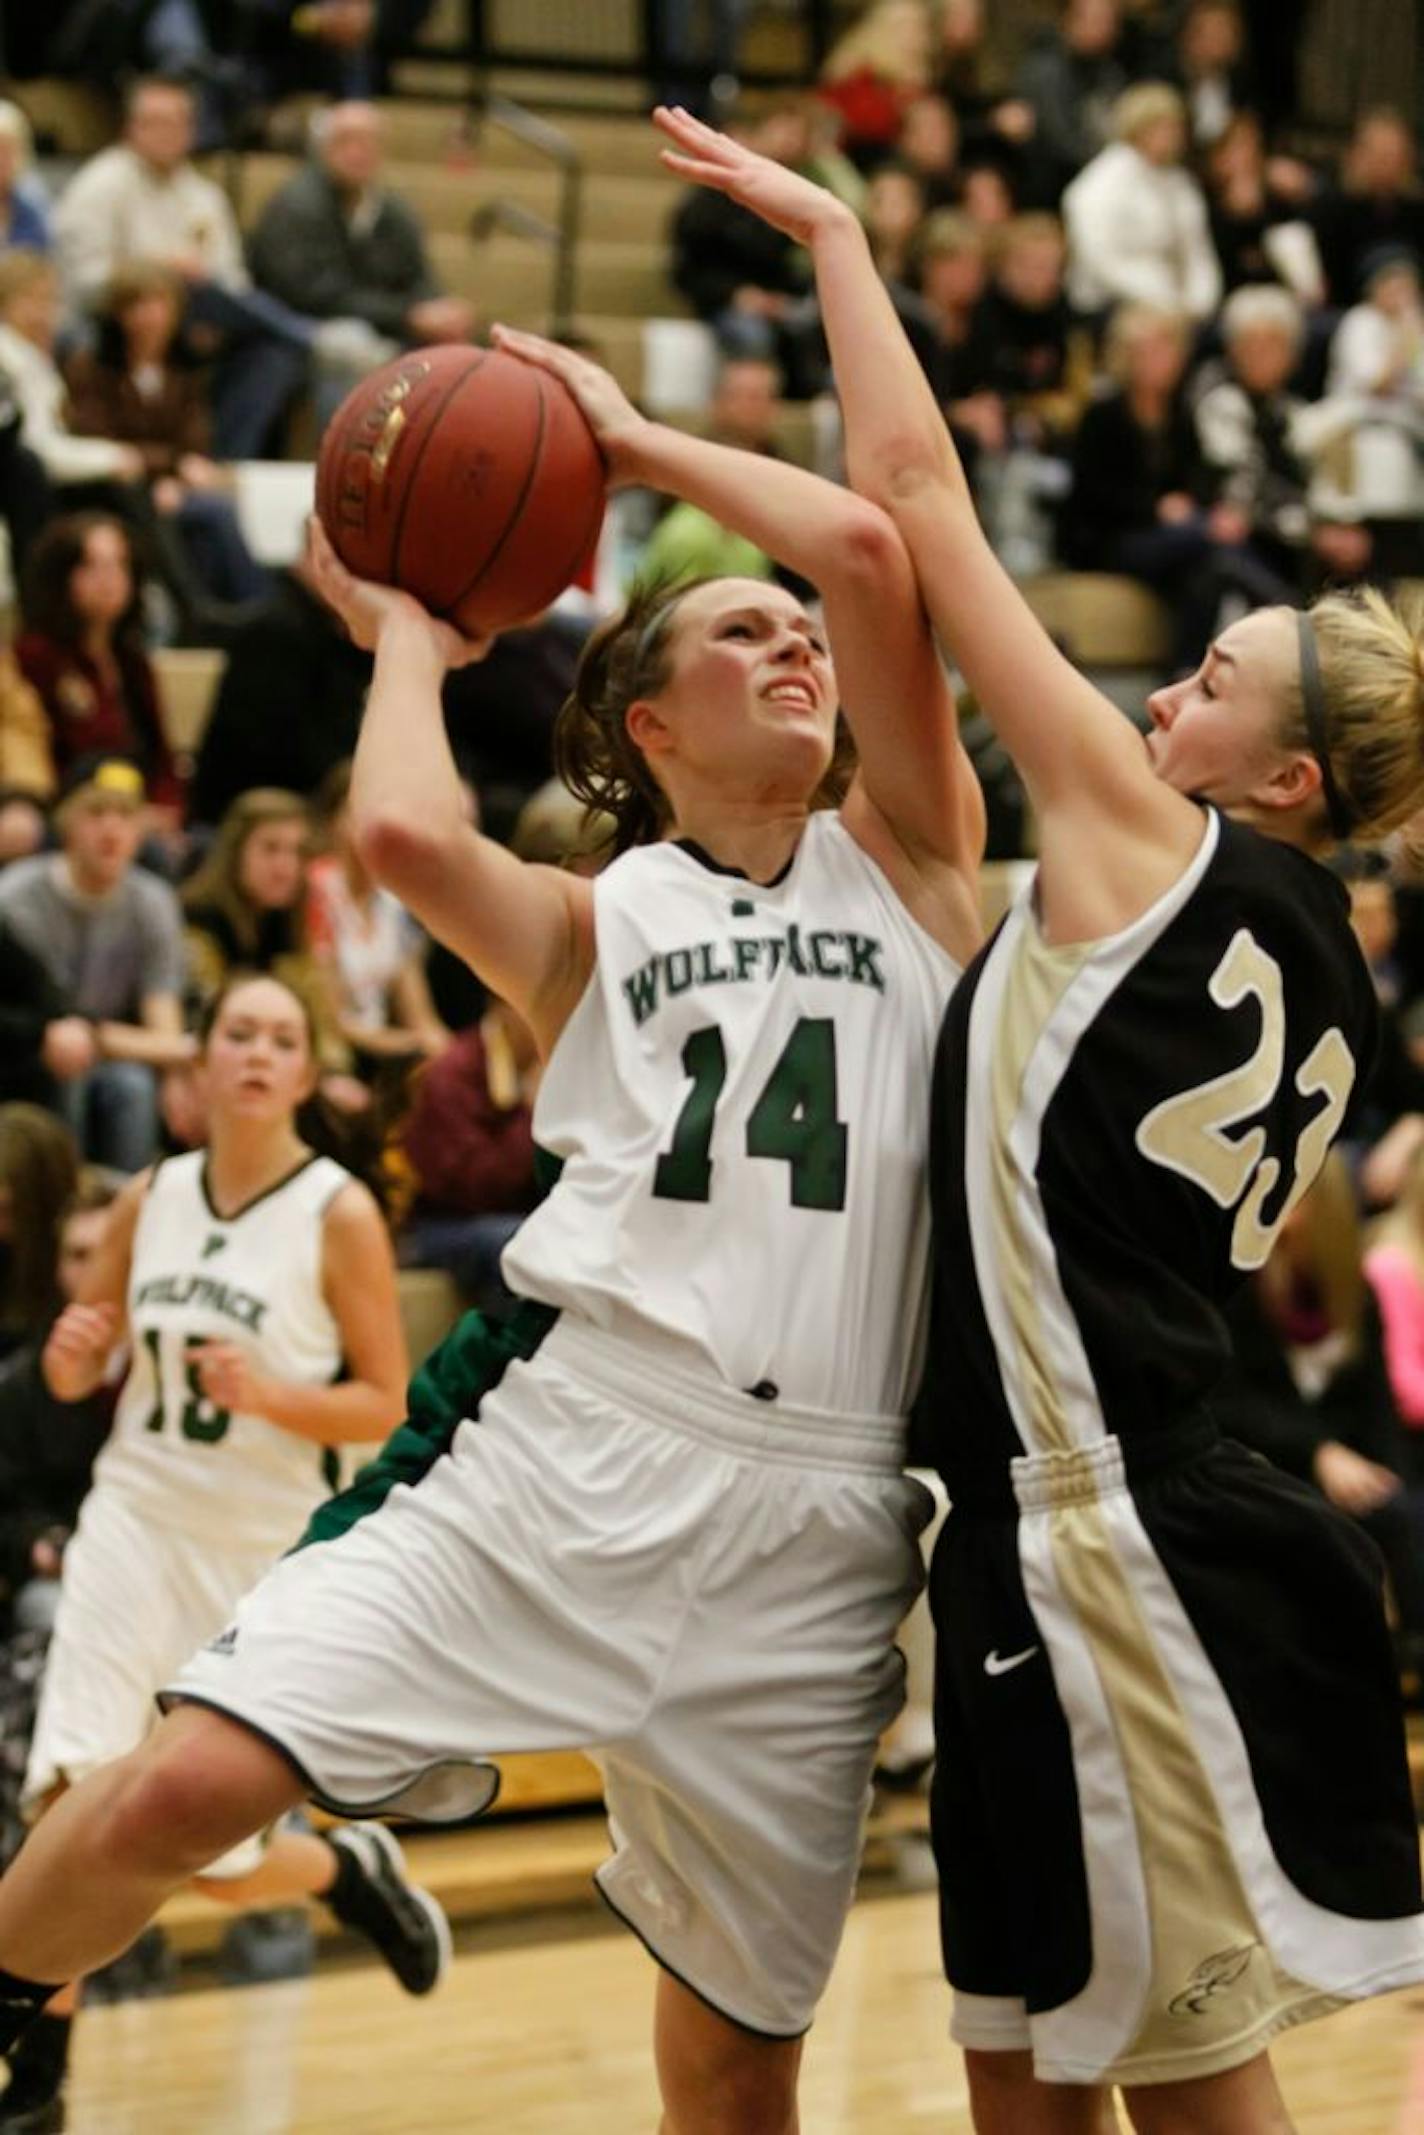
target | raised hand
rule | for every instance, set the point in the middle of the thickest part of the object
(705, 157)
(610, 415)
(365, 607)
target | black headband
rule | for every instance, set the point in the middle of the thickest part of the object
(1312, 690)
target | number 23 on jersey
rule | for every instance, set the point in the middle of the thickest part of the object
(1187, 1134)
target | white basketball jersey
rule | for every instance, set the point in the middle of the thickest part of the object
(253, 1279)
(741, 1105)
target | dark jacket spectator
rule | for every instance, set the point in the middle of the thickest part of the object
(30, 1000)
(1122, 471)
(288, 706)
(1260, 224)
(1378, 202)
(719, 249)
(335, 244)
(39, 1170)
(1071, 80)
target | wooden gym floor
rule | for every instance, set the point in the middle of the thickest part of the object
(542, 2029)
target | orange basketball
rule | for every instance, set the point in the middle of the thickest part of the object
(466, 477)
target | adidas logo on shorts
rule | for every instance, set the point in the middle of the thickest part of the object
(225, 1642)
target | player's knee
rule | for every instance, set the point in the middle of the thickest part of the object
(191, 1793)
(744, 2088)
(1005, 2098)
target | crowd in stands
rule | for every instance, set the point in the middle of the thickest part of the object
(1170, 344)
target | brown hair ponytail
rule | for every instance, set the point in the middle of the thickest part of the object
(626, 658)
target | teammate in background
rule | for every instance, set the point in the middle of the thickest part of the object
(678, 1532)
(1172, 1808)
(257, 1288)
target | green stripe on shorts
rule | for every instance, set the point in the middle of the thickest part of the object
(448, 1387)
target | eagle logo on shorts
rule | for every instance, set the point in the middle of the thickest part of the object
(1211, 1979)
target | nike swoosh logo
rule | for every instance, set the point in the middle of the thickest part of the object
(993, 1665)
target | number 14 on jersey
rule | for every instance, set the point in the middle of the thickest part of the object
(793, 1120)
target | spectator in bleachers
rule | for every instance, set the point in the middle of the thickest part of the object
(29, 326)
(1070, 82)
(1309, 1387)
(245, 906)
(24, 211)
(82, 650)
(744, 279)
(138, 386)
(288, 705)
(1040, 353)
(688, 542)
(986, 195)
(24, 822)
(928, 142)
(1211, 67)
(1139, 480)
(371, 950)
(1136, 218)
(1377, 379)
(1258, 441)
(48, 1447)
(893, 215)
(336, 243)
(469, 1141)
(1395, 1090)
(1258, 212)
(246, 909)
(953, 281)
(143, 199)
(1377, 202)
(39, 1171)
(110, 936)
(873, 73)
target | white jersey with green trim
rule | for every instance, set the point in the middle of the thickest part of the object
(740, 1103)
(253, 1279)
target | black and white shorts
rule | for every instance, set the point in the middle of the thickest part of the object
(1172, 1812)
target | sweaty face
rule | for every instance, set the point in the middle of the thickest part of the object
(257, 1061)
(1217, 732)
(750, 706)
(272, 870)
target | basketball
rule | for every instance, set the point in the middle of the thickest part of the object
(465, 477)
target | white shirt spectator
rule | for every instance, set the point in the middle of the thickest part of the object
(118, 208)
(41, 394)
(1138, 233)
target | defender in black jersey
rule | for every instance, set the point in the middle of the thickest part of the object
(1171, 1812)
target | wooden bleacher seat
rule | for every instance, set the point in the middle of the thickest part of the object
(429, 1307)
(188, 679)
(1101, 620)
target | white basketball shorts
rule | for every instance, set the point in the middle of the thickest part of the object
(137, 1595)
(701, 1588)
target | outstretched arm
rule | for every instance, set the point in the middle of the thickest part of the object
(914, 776)
(1083, 764)
(526, 931)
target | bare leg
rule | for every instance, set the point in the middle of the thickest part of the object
(107, 1855)
(1243, 2101)
(1006, 2098)
(717, 2079)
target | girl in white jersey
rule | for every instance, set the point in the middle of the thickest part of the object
(661, 1513)
(255, 1283)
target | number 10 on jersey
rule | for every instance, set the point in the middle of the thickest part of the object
(793, 1120)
